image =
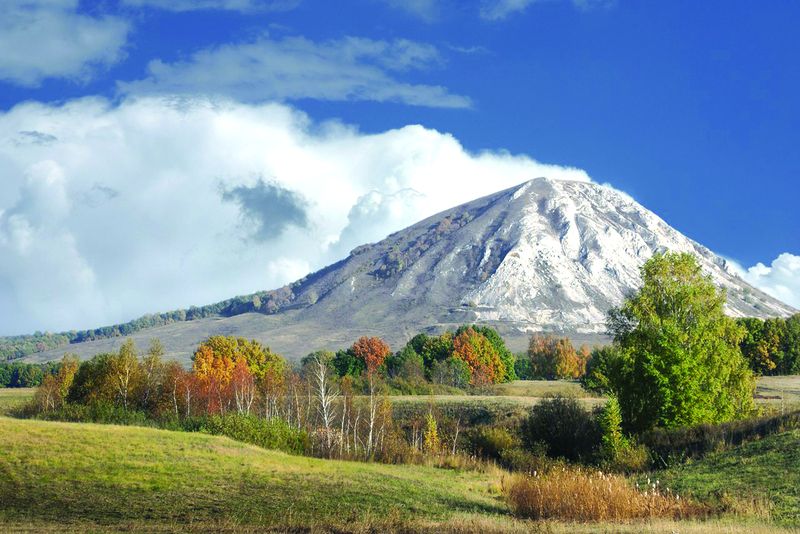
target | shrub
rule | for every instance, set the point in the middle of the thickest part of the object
(265, 433)
(564, 426)
(525, 461)
(431, 442)
(578, 495)
(617, 452)
(491, 442)
(104, 412)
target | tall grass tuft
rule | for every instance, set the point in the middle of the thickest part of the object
(571, 494)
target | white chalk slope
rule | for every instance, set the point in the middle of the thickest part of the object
(545, 255)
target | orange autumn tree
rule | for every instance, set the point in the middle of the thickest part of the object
(234, 370)
(373, 351)
(483, 360)
(214, 371)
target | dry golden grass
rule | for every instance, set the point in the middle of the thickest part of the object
(572, 494)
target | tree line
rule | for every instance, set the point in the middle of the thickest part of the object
(772, 346)
(14, 347)
(336, 403)
(25, 375)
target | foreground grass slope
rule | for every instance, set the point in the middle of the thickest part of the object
(66, 477)
(65, 472)
(766, 471)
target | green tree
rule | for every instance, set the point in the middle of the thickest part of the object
(681, 362)
(612, 440)
(406, 364)
(790, 346)
(346, 363)
(602, 369)
(431, 444)
(451, 372)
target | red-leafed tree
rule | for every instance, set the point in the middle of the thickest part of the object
(373, 350)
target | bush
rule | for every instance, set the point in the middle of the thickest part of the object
(265, 433)
(617, 452)
(491, 442)
(102, 412)
(525, 461)
(578, 495)
(564, 426)
(612, 441)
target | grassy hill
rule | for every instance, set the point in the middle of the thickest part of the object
(64, 477)
(766, 472)
(111, 475)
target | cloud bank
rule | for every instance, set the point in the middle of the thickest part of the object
(42, 39)
(111, 211)
(351, 68)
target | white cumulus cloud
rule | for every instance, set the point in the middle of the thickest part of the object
(109, 211)
(42, 39)
(291, 68)
(781, 278)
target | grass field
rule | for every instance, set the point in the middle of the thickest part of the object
(779, 391)
(65, 477)
(11, 398)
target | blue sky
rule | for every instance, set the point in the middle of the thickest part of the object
(689, 107)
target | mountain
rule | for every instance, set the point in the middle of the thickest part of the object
(542, 256)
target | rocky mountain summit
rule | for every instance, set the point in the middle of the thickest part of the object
(543, 256)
